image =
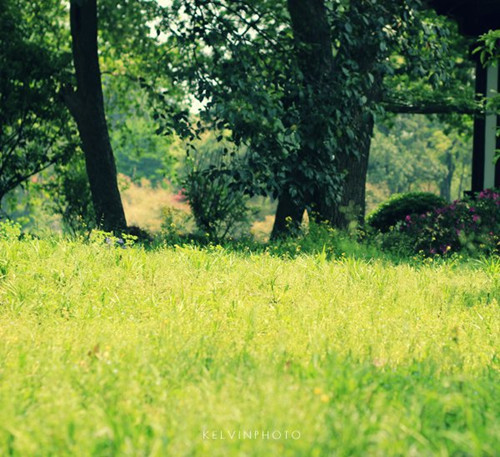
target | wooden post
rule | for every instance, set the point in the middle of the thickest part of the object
(485, 173)
(496, 166)
(490, 134)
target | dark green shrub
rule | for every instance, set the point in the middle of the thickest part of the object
(394, 210)
(219, 207)
(69, 195)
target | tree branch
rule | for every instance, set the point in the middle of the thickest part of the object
(430, 107)
(70, 99)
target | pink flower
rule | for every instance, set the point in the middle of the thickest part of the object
(408, 218)
(475, 218)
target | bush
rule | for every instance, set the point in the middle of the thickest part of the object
(10, 230)
(69, 195)
(469, 224)
(394, 210)
(219, 208)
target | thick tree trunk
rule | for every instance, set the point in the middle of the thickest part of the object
(314, 56)
(352, 201)
(315, 59)
(288, 217)
(351, 206)
(87, 107)
(312, 35)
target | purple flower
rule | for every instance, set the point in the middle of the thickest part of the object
(408, 218)
(475, 218)
(488, 193)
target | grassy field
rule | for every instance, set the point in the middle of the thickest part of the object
(186, 351)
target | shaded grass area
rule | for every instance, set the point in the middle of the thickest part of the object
(171, 351)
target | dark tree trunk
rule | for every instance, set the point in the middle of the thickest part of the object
(87, 107)
(351, 206)
(288, 217)
(353, 196)
(315, 60)
(311, 32)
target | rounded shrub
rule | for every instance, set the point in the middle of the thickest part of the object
(394, 210)
(218, 206)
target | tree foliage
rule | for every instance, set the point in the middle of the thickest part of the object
(242, 62)
(35, 131)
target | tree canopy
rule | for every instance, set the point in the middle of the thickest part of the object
(34, 127)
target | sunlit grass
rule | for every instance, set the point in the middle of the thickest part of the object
(110, 351)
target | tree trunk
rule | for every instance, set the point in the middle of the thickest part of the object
(314, 57)
(461, 181)
(445, 187)
(87, 107)
(351, 206)
(288, 217)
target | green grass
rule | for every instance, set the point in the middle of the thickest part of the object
(110, 351)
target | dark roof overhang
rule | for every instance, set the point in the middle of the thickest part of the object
(474, 17)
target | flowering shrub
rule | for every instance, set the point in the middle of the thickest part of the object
(471, 224)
